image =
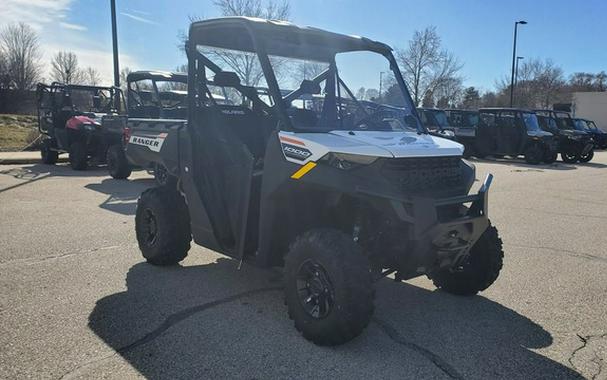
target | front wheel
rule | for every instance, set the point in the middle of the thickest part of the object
(550, 156)
(586, 157)
(482, 268)
(162, 226)
(534, 154)
(49, 156)
(328, 287)
(117, 163)
(163, 177)
(78, 156)
(569, 156)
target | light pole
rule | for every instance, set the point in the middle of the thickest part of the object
(381, 77)
(516, 71)
(513, 59)
(115, 49)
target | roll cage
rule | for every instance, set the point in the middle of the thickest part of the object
(266, 38)
(145, 97)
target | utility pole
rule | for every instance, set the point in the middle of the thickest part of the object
(513, 59)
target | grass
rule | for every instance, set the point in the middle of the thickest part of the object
(17, 131)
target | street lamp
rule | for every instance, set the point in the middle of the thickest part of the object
(513, 61)
(516, 71)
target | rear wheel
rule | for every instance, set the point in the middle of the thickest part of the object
(534, 154)
(482, 268)
(78, 156)
(49, 156)
(328, 287)
(162, 226)
(586, 157)
(117, 164)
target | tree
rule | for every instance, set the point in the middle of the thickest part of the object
(425, 66)
(91, 76)
(371, 94)
(124, 73)
(247, 65)
(270, 9)
(20, 49)
(64, 68)
(471, 98)
(540, 84)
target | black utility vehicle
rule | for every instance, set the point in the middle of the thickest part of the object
(573, 145)
(150, 95)
(436, 122)
(70, 118)
(337, 193)
(598, 136)
(464, 123)
(157, 95)
(512, 132)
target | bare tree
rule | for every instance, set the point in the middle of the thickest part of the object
(20, 49)
(64, 68)
(91, 76)
(425, 66)
(247, 65)
(540, 85)
(271, 10)
(124, 73)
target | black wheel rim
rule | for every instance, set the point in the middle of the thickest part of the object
(314, 290)
(150, 227)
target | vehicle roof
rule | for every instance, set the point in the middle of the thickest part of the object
(157, 75)
(430, 109)
(76, 86)
(458, 110)
(505, 109)
(279, 38)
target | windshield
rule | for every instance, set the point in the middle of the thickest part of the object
(581, 125)
(359, 91)
(531, 122)
(592, 126)
(172, 93)
(547, 123)
(441, 118)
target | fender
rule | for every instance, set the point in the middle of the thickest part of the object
(76, 122)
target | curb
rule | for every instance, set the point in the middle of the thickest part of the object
(20, 161)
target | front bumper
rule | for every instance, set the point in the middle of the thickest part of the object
(436, 241)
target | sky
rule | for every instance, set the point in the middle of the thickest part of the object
(479, 33)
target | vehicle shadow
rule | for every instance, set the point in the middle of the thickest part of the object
(122, 195)
(212, 321)
(59, 170)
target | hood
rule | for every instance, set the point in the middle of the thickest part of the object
(304, 147)
(572, 132)
(406, 144)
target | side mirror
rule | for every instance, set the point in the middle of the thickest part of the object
(226, 79)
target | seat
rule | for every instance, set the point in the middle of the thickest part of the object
(303, 118)
(247, 126)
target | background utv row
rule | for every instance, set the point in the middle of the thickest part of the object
(538, 135)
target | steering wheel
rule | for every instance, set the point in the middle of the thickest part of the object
(377, 118)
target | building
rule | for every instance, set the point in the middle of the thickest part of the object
(591, 106)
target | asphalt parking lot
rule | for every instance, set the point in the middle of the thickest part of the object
(78, 301)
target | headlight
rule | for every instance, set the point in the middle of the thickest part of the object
(346, 161)
(447, 133)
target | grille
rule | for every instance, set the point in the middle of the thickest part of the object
(425, 175)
